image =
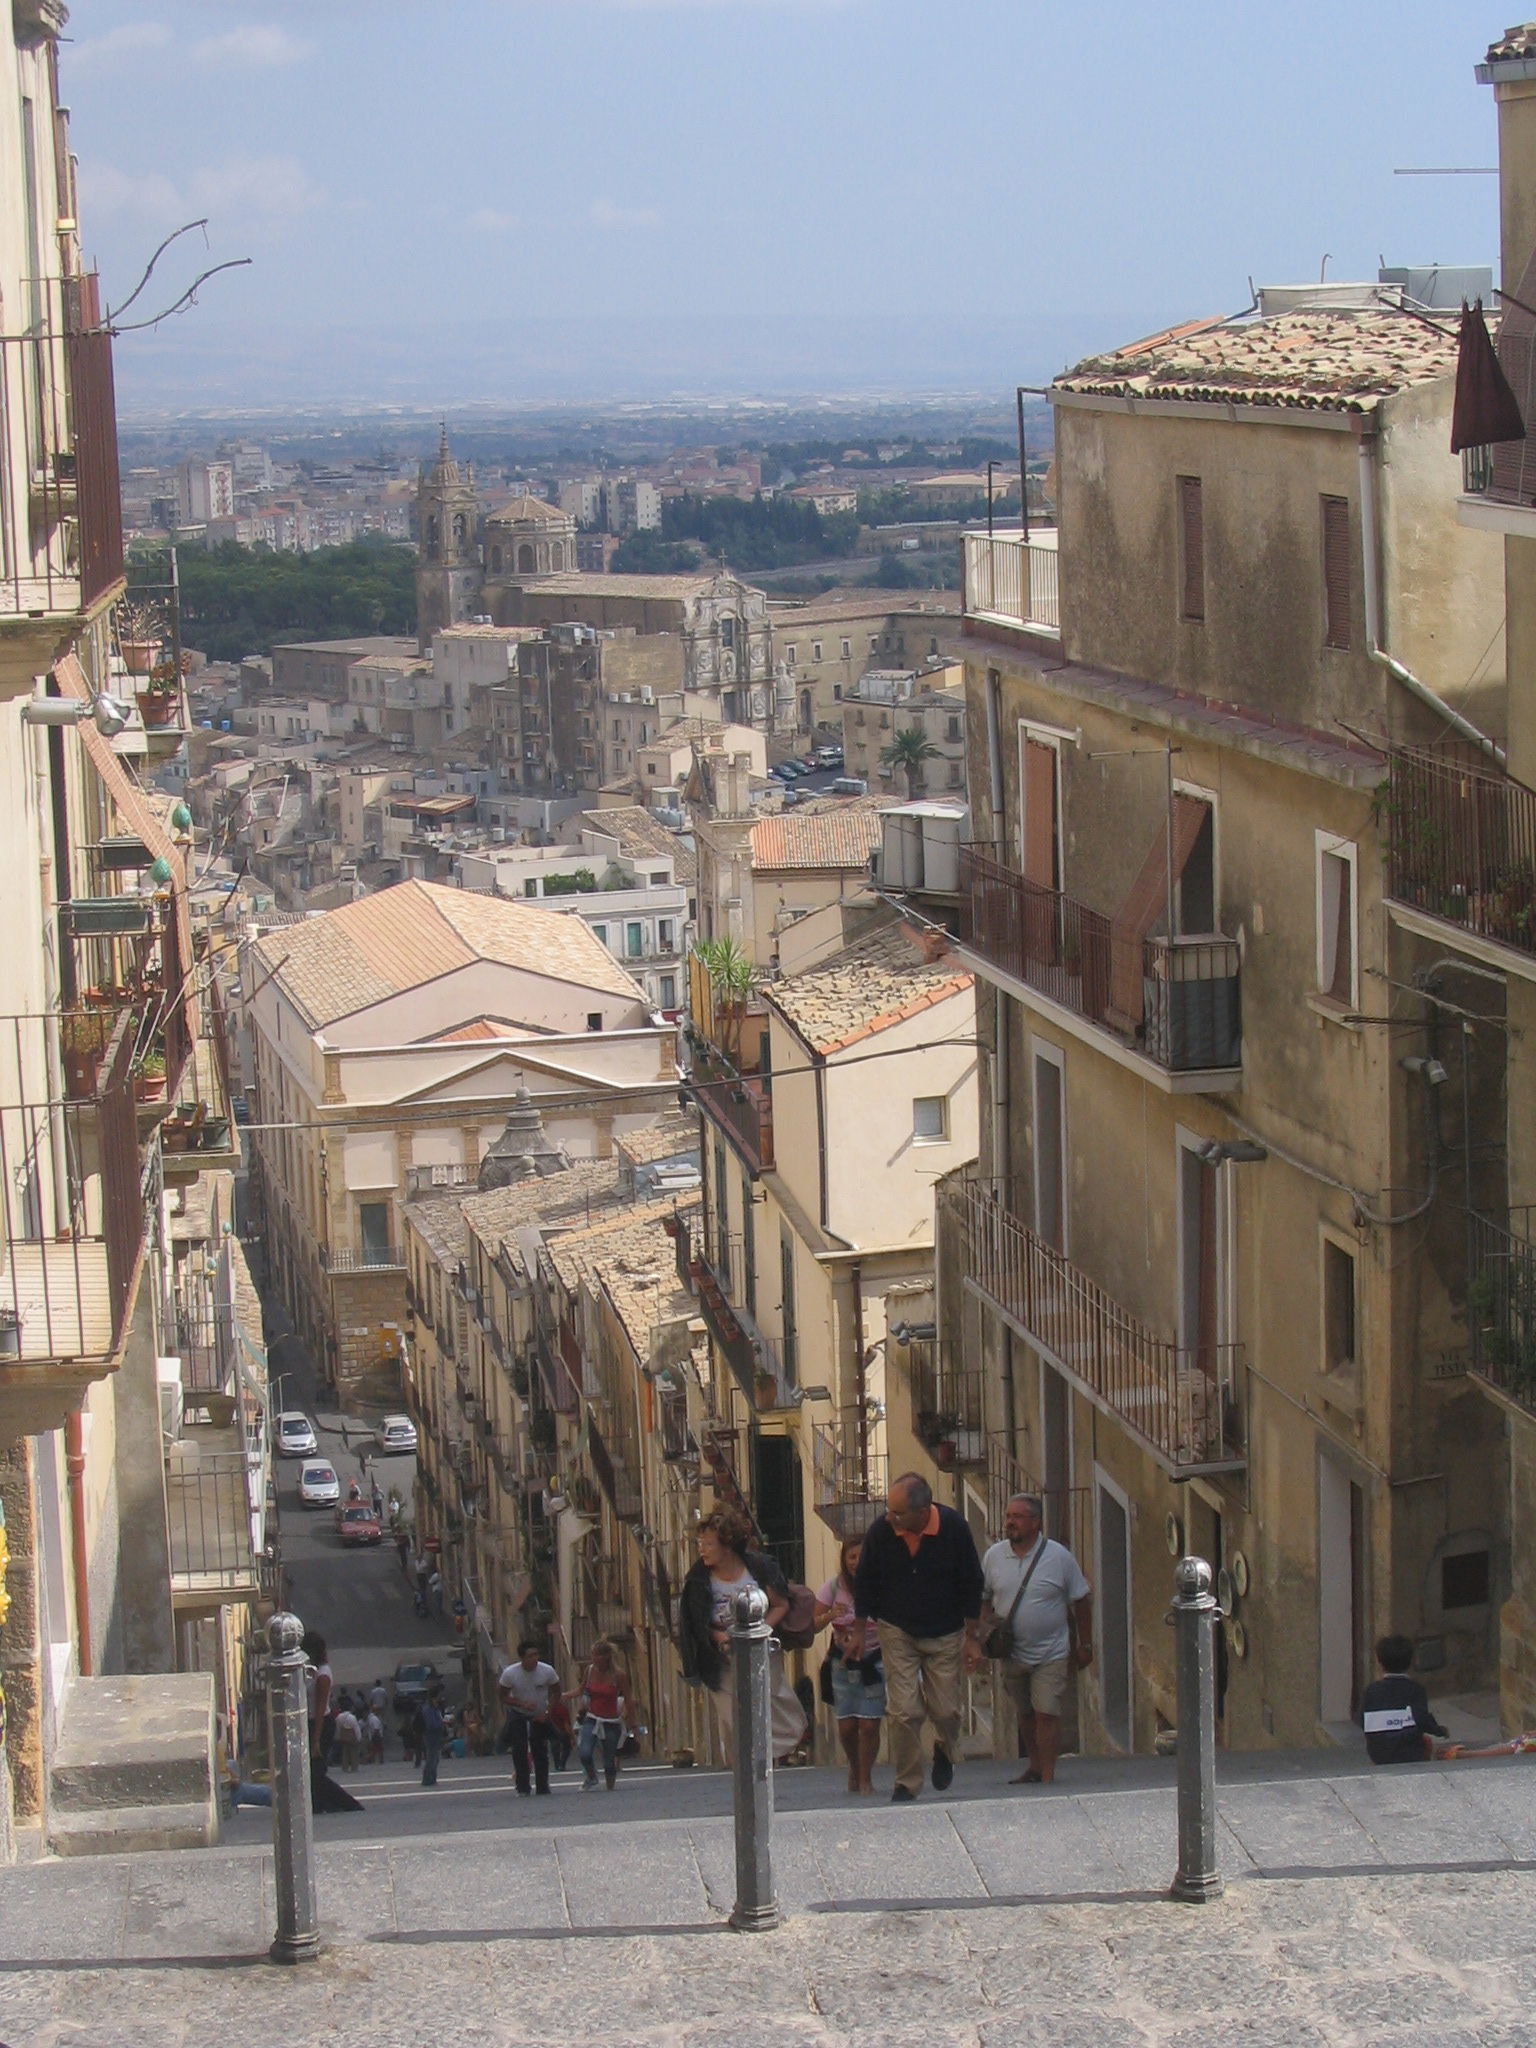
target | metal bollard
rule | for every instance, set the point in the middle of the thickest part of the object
(756, 1909)
(1194, 1614)
(293, 1829)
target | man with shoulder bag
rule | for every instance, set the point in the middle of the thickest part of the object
(1037, 1621)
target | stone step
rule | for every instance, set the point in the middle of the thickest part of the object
(135, 1740)
(127, 1830)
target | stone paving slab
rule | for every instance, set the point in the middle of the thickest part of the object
(678, 1875)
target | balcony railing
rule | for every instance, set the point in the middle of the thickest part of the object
(1174, 1399)
(1501, 1303)
(741, 1105)
(77, 1192)
(851, 1478)
(1013, 579)
(368, 1258)
(948, 1405)
(1175, 1001)
(1461, 843)
(60, 501)
(214, 1523)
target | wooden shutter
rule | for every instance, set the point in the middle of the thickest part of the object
(1147, 901)
(1192, 548)
(1040, 814)
(1338, 620)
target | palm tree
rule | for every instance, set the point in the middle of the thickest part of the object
(908, 751)
(730, 983)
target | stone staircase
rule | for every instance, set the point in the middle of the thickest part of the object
(134, 1766)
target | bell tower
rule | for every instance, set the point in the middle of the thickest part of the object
(448, 573)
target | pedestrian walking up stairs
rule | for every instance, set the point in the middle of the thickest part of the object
(134, 1766)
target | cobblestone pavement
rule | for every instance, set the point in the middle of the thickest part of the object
(1327, 1962)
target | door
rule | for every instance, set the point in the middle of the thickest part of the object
(373, 1223)
(776, 1500)
(1112, 1603)
(1340, 1589)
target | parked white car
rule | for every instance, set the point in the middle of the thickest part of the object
(318, 1485)
(397, 1433)
(296, 1434)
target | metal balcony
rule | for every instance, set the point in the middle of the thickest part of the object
(851, 1479)
(1501, 1304)
(949, 1415)
(214, 1513)
(1461, 849)
(740, 1105)
(1173, 1399)
(368, 1258)
(1172, 1003)
(1011, 580)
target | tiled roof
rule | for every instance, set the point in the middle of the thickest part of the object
(617, 586)
(632, 1259)
(558, 1201)
(870, 985)
(349, 959)
(674, 1134)
(1328, 361)
(840, 838)
(441, 1227)
(1516, 42)
(638, 832)
(527, 506)
(469, 1034)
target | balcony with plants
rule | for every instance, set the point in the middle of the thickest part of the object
(850, 1474)
(727, 1037)
(1460, 843)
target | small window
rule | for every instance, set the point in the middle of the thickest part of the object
(1465, 1579)
(815, 650)
(634, 941)
(837, 693)
(874, 643)
(847, 650)
(1191, 549)
(1337, 610)
(789, 656)
(1337, 934)
(600, 933)
(954, 731)
(665, 935)
(594, 1020)
(930, 1119)
(1340, 1331)
(650, 767)
(957, 774)
(530, 885)
(668, 984)
(933, 647)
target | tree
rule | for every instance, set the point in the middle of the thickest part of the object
(908, 751)
(730, 983)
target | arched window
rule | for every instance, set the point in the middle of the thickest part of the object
(433, 537)
(460, 531)
(525, 560)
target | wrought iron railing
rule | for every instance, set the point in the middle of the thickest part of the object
(949, 1413)
(1009, 577)
(1068, 1509)
(740, 1104)
(1461, 842)
(366, 1258)
(1174, 1000)
(850, 1477)
(211, 1518)
(1174, 1398)
(1501, 1303)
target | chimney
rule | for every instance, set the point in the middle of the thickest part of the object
(1510, 68)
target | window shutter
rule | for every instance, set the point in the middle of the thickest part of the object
(1192, 544)
(1338, 621)
(1147, 901)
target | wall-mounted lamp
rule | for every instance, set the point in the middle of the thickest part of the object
(109, 715)
(1433, 1071)
(1234, 1151)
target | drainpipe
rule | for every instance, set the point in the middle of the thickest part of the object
(1365, 449)
(1002, 1150)
(74, 1452)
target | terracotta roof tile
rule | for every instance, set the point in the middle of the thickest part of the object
(874, 983)
(346, 960)
(1320, 360)
(840, 838)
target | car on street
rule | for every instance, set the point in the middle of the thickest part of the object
(357, 1523)
(829, 757)
(396, 1433)
(318, 1485)
(413, 1682)
(850, 785)
(782, 771)
(296, 1435)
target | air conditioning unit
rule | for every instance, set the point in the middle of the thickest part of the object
(168, 1382)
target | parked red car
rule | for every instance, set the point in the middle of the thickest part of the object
(357, 1523)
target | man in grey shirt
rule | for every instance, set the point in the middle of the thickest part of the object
(1052, 1628)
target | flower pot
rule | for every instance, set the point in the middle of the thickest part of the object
(149, 1087)
(158, 708)
(81, 1069)
(139, 655)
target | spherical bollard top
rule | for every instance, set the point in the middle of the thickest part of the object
(1193, 1578)
(751, 1607)
(285, 1632)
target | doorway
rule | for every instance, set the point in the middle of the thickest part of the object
(1112, 1588)
(1341, 1581)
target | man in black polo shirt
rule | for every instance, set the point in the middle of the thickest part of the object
(919, 1577)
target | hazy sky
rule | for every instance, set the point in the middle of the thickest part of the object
(450, 199)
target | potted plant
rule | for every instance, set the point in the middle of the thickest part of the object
(83, 1043)
(138, 636)
(159, 708)
(149, 1080)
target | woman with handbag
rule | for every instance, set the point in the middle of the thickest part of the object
(856, 1672)
(725, 1567)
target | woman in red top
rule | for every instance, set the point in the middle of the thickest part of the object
(605, 1711)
